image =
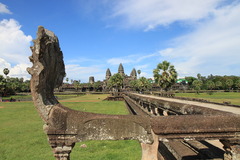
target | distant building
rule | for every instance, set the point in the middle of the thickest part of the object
(91, 80)
(181, 84)
(126, 80)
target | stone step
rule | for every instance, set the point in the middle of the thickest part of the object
(190, 150)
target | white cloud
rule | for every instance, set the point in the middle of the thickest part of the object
(146, 74)
(117, 61)
(212, 48)
(19, 70)
(14, 43)
(151, 13)
(166, 52)
(4, 9)
(75, 72)
(14, 48)
(130, 59)
(3, 64)
(144, 66)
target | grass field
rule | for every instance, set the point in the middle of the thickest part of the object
(220, 97)
(22, 137)
(29, 97)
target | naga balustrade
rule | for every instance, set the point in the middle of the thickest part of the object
(64, 127)
(188, 121)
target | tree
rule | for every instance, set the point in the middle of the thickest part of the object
(67, 80)
(229, 83)
(97, 85)
(2, 85)
(6, 71)
(199, 76)
(139, 72)
(190, 80)
(197, 85)
(25, 87)
(76, 84)
(165, 75)
(210, 85)
(143, 84)
(134, 85)
(116, 81)
(218, 84)
(9, 86)
(237, 84)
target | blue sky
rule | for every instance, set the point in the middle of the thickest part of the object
(195, 36)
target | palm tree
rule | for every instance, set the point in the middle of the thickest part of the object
(165, 75)
(134, 84)
(116, 81)
(2, 85)
(6, 71)
(97, 85)
(76, 84)
(229, 83)
(67, 79)
(210, 85)
(237, 83)
(144, 84)
(197, 85)
(199, 76)
(218, 84)
(139, 72)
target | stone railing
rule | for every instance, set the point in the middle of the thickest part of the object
(64, 127)
(179, 119)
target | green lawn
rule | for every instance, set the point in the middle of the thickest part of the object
(29, 97)
(220, 97)
(22, 137)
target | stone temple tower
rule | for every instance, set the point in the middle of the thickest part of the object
(121, 70)
(91, 80)
(133, 74)
(108, 74)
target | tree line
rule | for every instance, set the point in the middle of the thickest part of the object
(11, 86)
(97, 86)
(165, 76)
(212, 82)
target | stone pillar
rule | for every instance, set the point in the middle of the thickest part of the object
(156, 111)
(165, 113)
(232, 149)
(62, 152)
(61, 146)
(150, 151)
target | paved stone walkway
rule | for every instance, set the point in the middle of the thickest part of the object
(230, 109)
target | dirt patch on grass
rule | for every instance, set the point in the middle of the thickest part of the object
(80, 100)
(1, 107)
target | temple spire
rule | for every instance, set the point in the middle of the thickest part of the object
(108, 73)
(133, 73)
(120, 69)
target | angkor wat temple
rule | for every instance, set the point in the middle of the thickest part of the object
(103, 87)
(127, 79)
